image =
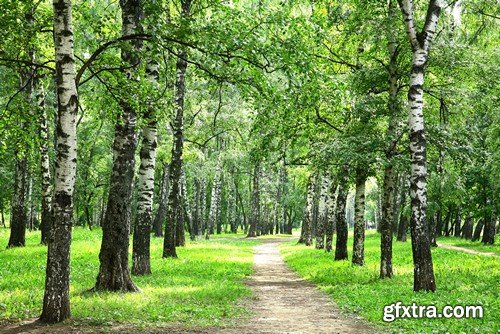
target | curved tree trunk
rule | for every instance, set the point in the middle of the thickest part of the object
(358, 251)
(56, 305)
(420, 43)
(114, 274)
(478, 230)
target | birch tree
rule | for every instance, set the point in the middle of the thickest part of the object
(358, 252)
(341, 222)
(114, 273)
(420, 42)
(56, 305)
(175, 211)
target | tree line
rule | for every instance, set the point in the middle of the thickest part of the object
(197, 117)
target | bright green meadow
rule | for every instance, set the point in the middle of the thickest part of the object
(462, 279)
(204, 287)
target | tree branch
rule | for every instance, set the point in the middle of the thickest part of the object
(324, 120)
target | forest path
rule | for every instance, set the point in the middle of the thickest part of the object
(285, 303)
(467, 250)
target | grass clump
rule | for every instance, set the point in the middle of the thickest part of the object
(201, 288)
(462, 279)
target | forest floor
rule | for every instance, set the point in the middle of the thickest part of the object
(467, 250)
(282, 303)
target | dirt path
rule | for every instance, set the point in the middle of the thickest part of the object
(282, 303)
(285, 303)
(467, 250)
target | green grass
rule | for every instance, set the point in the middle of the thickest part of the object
(476, 245)
(204, 287)
(462, 279)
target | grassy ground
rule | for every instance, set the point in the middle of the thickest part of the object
(462, 279)
(476, 245)
(201, 288)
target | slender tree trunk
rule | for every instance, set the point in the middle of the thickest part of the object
(175, 209)
(56, 306)
(188, 214)
(114, 274)
(214, 198)
(489, 228)
(420, 43)
(341, 222)
(403, 222)
(255, 215)
(141, 264)
(386, 224)
(358, 251)
(19, 209)
(307, 221)
(323, 207)
(389, 198)
(203, 207)
(46, 179)
(447, 219)
(331, 222)
(468, 228)
(458, 224)
(432, 231)
(478, 230)
(19, 215)
(161, 213)
(197, 220)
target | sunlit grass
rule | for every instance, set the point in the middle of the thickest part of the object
(462, 279)
(201, 288)
(476, 245)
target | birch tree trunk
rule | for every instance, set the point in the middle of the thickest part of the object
(324, 199)
(402, 217)
(197, 221)
(161, 213)
(307, 221)
(56, 305)
(214, 198)
(341, 222)
(330, 221)
(255, 214)
(46, 179)
(420, 43)
(141, 264)
(175, 216)
(114, 273)
(358, 251)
